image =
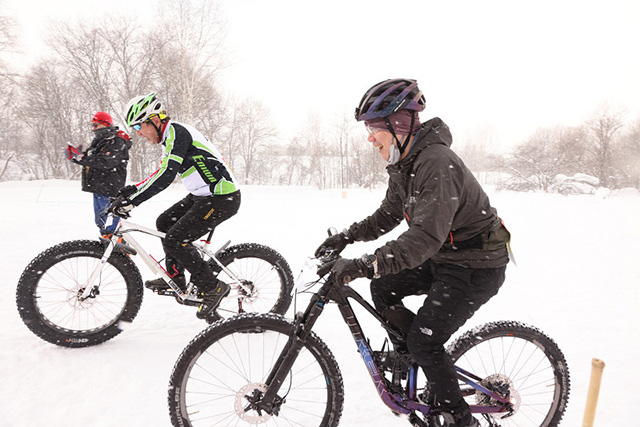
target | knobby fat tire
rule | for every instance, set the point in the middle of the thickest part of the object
(470, 339)
(41, 326)
(265, 253)
(239, 327)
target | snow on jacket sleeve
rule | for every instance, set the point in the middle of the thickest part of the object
(107, 155)
(174, 153)
(383, 220)
(437, 190)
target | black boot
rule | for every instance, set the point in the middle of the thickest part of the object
(464, 419)
(160, 284)
(211, 298)
(211, 290)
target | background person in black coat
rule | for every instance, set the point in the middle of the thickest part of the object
(104, 165)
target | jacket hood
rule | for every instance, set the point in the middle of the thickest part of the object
(105, 134)
(432, 132)
(435, 131)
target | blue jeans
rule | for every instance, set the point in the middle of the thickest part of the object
(100, 204)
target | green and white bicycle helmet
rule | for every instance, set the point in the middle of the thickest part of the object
(141, 108)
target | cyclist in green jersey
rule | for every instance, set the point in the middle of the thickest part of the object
(213, 196)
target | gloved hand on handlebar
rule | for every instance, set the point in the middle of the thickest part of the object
(344, 271)
(127, 190)
(121, 206)
(335, 243)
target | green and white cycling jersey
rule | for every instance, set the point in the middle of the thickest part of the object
(188, 152)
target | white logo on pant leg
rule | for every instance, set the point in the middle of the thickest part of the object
(426, 331)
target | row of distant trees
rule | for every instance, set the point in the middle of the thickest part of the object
(100, 67)
(605, 146)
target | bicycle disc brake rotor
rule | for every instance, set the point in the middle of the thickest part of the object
(248, 291)
(501, 384)
(244, 402)
(77, 303)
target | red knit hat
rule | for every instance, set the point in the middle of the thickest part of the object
(102, 118)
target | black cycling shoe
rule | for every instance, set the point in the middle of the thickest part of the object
(160, 284)
(211, 299)
(467, 420)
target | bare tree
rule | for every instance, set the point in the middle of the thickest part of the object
(7, 86)
(49, 114)
(252, 135)
(190, 62)
(366, 166)
(107, 65)
(475, 150)
(343, 129)
(295, 168)
(313, 137)
(112, 63)
(627, 158)
(604, 127)
(547, 153)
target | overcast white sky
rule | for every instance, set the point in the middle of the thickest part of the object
(508, 65)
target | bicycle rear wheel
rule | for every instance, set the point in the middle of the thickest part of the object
(50, 289)
(521, 361)
(265, 277)
(225, 367)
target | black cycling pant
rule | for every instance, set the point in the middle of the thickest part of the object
(187, 221)
(453, 294)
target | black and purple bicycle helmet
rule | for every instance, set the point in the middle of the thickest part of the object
(388, 97)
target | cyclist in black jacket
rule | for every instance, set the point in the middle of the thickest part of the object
(104, 166)
(454, 250)
(214, 196)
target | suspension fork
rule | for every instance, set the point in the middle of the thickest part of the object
(88, 289)
(302, 328)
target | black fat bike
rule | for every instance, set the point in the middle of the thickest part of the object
(79, 293)
(263, 369)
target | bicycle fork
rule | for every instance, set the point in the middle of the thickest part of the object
(89, 286)
(303, 324)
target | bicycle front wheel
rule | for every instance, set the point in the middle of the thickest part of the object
(224, 369)
(520, 361)
(49, 294)
(260, 279)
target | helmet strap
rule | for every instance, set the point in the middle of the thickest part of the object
(158, 130)
(402, 145)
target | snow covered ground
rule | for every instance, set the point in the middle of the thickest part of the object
(577, 279)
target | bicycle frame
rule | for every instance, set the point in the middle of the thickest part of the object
(398, 403)
(128, 228)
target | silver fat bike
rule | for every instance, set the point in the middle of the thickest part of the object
(81, 293)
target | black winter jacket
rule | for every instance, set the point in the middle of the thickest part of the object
(449, 215)
(105, 162)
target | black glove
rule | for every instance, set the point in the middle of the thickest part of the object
(346, 270)
(120, 206)
(335, 243)
(127, 191)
